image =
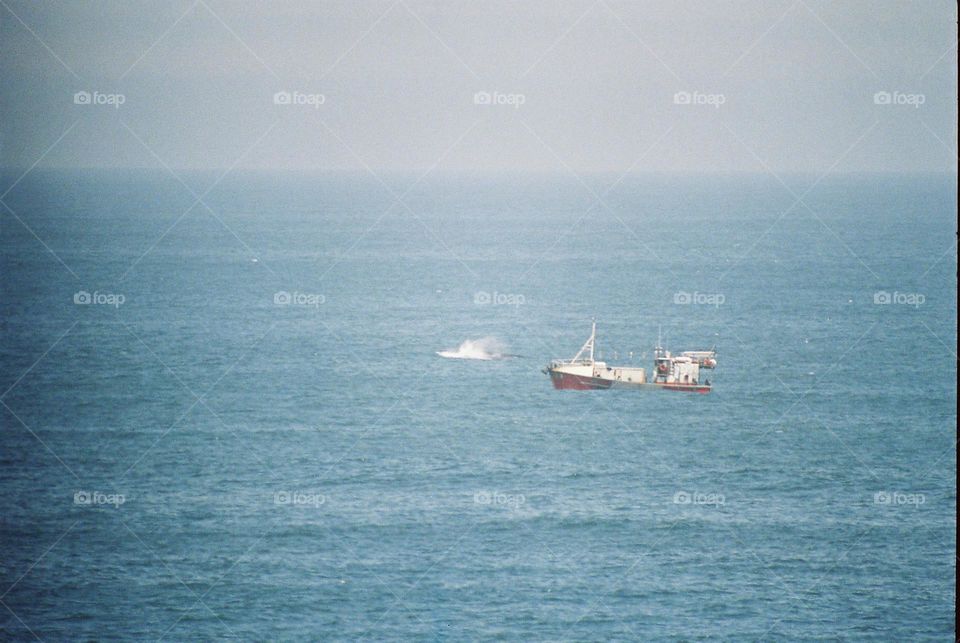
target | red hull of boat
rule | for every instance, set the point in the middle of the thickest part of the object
(572, 382)
(578, 382)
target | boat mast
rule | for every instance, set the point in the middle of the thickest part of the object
(588, 345)
(593, 338)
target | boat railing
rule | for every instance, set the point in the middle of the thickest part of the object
(571, 362)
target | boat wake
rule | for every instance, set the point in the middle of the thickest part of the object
(485, 348)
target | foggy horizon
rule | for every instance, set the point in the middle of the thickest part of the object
(583, 87)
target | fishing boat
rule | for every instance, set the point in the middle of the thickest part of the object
(671, 372)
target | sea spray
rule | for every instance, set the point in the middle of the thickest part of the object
(485, 348)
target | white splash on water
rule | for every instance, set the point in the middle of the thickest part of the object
(485, 348)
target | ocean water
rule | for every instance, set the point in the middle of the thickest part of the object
(185, 458)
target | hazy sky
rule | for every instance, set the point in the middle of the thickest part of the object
(584, 85)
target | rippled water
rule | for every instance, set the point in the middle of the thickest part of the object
(189, 456)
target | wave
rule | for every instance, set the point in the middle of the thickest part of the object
(485, 348)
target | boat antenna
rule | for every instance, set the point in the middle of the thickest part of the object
(593, 337)
(588, 344)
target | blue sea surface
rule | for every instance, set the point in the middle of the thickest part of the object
(247, 431)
